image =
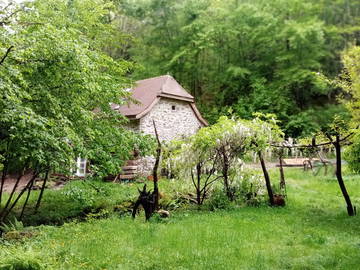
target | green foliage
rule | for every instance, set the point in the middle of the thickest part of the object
(14, 225)
(219, 201)
(217, 151)
(58, 85)
(351, 83)
(251, 188)
(248, 188)
(352, 153)
(80, 195)
(350, 80)
(21, 263)
(57, 88)
(274, 57)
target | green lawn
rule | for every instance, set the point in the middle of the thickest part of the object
(312, 232)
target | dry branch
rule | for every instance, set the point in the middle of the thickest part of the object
(156, 167)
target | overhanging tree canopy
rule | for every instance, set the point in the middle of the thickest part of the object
(56, 87)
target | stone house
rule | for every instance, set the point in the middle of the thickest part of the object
(173, 109)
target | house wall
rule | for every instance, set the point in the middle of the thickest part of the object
(171, 124)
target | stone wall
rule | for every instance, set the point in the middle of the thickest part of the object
(174, 119)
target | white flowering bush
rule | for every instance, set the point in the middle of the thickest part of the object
(216, 153)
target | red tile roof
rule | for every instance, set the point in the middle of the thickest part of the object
(149, 91)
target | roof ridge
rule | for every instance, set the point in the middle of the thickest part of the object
(162, 86)
(152, 78)
(147, 90)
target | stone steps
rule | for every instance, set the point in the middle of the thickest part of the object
(129, 171)
(127, 176)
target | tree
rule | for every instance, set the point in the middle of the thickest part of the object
(232, 139)
(264, 132)
(216, 152)
(337, 134)
(56, 86)
(248, 56)
(350, 81)
(195, 159)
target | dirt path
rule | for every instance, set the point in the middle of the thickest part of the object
(10, 181)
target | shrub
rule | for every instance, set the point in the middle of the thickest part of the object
(21, 261)
(252, 188)
(218, 200)
(15, 230)
(352, 154)
(13, 225)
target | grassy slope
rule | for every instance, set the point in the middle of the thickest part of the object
(312, 232)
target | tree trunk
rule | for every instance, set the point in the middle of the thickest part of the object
(41, 192)
(11, 196)
(198, 189)
(225, 173)
(267, 179)
(6, 211)
(350, 208)
(27, 198)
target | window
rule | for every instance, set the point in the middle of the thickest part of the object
(80, 167)
(173, 107)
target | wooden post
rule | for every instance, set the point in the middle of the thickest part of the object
(282, 175)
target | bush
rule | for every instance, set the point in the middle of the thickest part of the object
(247, 187)
(352, 154)
(252, 188)
(218, 200)
(14, 225)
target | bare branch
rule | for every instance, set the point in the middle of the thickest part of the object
(193, 180)
(156, 134)
(209, 183)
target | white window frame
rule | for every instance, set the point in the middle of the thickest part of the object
(81, 167)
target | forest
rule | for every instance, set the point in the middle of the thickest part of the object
(268, 180)
(239, 57)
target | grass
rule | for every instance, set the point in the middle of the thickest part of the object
(312, 232)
